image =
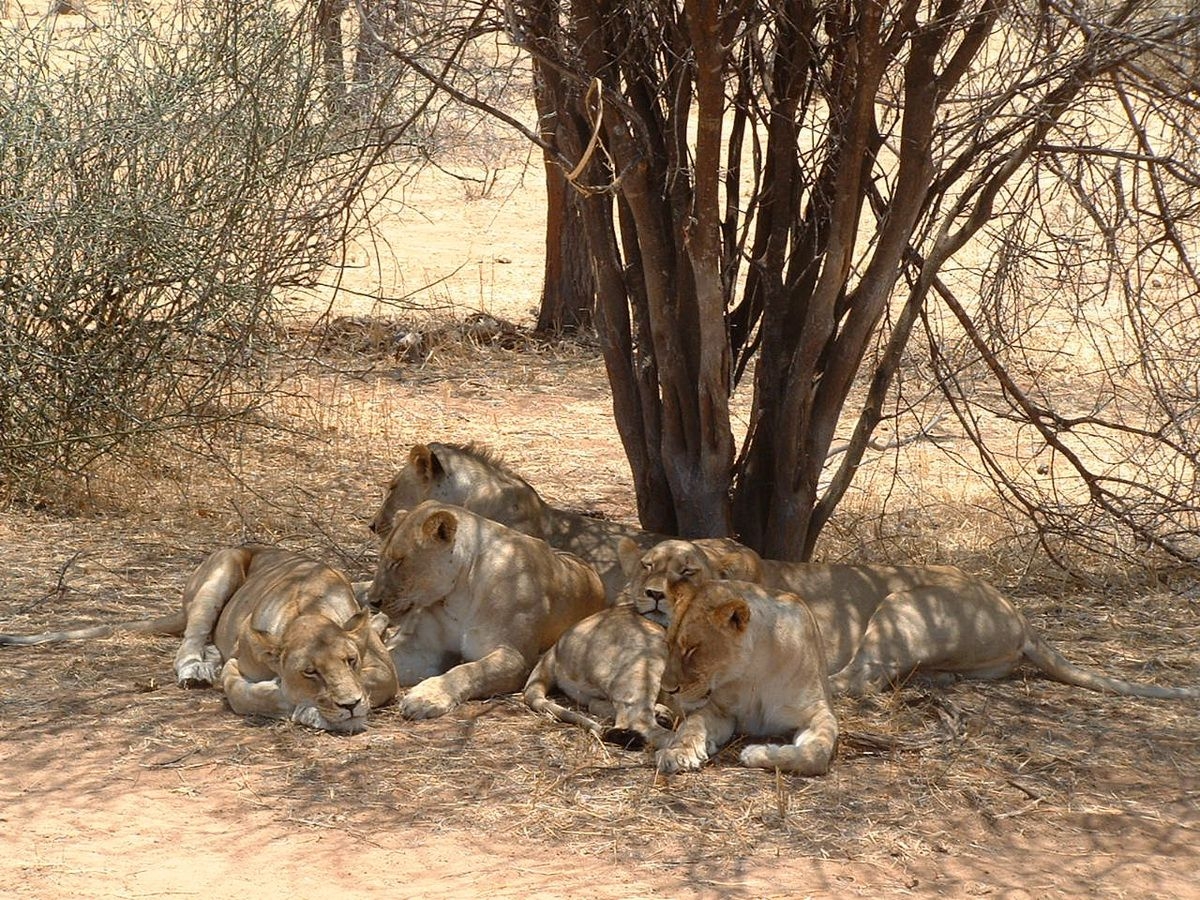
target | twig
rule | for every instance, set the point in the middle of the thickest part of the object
(925, 431)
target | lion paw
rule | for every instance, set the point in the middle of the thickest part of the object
(758, 756)
(197, 672)
(679, 759)
(310, 717)
(427, 700)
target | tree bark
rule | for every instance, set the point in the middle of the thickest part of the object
(568, 283)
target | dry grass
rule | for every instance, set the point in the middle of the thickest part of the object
(923, 773)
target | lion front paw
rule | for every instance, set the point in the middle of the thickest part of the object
(204, 672)
(679, 759)
(427, 700)
(310, 717)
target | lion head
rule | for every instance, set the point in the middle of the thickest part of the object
(732, 561)
(319, 665)
(665, 563)
(467, 476)
(705, 639)
(417, 565)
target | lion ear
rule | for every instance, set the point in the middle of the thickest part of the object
(424, 460)
(730, 560)
(732, 566)
(266, 646)
(734, 614)
(424, 457)
(397, 517)
(421, 459)
(358, 628)
(629, 553)
(441, 526)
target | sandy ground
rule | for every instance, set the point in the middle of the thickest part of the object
(123, 831)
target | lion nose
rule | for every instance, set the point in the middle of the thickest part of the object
(656, 596)
(351, 706)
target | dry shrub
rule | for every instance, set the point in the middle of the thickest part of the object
(161, 179)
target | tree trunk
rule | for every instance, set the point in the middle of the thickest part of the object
(329, 33)
(568, 285)
(568, 282)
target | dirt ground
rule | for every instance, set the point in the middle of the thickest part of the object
(118, 784)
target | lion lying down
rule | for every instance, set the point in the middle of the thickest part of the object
(474, 603)
(881, 624)
(474, 478)
(745, 660)
(876, 626)
(294, 642)
(611, 663)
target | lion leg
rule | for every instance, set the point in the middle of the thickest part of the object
(635, 705)
(217, 579)
(502, 671)
(810, 752)
(935, 630)
(379, 675)
(416, 655)
(253, 698)
(542, 680)
(701, 735)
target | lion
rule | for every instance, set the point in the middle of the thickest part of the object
(881, 624)
(283, 633)
(741, 659)
(474, 478)
(610, 663)
(459, 586)
(648, 573)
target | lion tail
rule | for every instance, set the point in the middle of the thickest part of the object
(537, 689)
(171, 624)
(1039, 652)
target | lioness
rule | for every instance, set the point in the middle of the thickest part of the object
(611, 663)
(649, 573)
(459, 586)
(474, 478)
(294, 641)
(880, 624)
(741, 659)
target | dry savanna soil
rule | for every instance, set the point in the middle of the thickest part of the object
(116, 783)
